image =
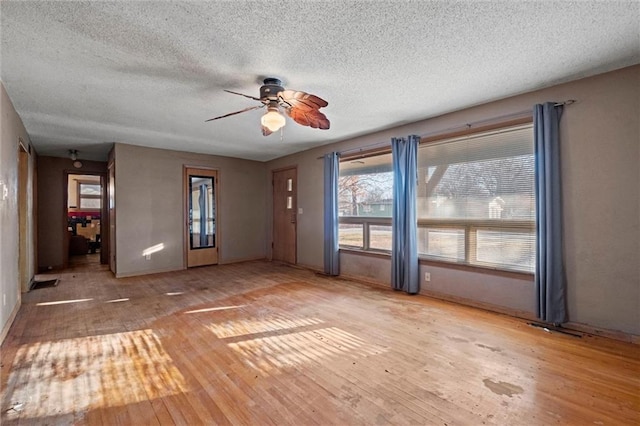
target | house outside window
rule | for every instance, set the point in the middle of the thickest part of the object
(475, 200)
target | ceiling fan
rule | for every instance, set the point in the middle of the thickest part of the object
(302, 107)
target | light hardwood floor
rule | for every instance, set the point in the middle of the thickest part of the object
(266, 344)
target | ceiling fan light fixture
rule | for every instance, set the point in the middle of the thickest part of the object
(273, 120)
(301, 107)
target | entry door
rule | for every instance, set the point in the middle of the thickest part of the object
(201, 188)
(284, 215)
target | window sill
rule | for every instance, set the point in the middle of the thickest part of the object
(423, 260)
(372, 253)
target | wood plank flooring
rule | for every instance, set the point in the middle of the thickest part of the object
(266, 344)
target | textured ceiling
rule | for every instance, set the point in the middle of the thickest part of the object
(83, 75)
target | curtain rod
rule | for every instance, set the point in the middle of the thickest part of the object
(514, 115)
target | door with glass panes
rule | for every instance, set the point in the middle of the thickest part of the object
(201, 188)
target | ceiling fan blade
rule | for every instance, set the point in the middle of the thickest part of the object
(303, 100)
(246, 96)
(309, 117)
(234, 113)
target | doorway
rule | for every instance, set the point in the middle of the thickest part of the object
(85, 219)
(285, 207)
(202, 233)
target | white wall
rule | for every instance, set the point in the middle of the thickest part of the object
(11, 130)
(600, 176)
(149, 207)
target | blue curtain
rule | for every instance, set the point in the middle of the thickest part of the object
(550, 281)
(404, 225)
(331, 250)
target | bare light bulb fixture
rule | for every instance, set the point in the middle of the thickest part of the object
(73, 154)
(273, 120)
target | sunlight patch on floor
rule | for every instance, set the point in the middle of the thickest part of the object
(75, 375)
(218, 308)
(62, 302)
(293, 349)
(126, 299)
(244, 327)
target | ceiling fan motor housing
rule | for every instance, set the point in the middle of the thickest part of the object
(270, 89)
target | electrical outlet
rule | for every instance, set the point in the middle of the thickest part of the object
(427, 276)
(147, 257)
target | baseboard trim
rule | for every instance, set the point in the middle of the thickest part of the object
(183, 268)
(529, 316)
(241, 260)
(7, 326)
(365, 280)
(149, 272)
(603, 332)
(524, 315)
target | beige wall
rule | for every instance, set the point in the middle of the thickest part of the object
(149, 207)
(52, 206)
(11, 130)
(600, 156)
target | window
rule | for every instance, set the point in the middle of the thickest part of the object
(476, 201)
(365, 203)
(89, 195)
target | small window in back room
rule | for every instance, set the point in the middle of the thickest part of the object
(89, 195)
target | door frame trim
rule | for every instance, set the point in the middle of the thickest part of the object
(25, 228)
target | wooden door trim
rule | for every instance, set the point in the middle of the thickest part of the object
(282, 169)
(24, 273)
